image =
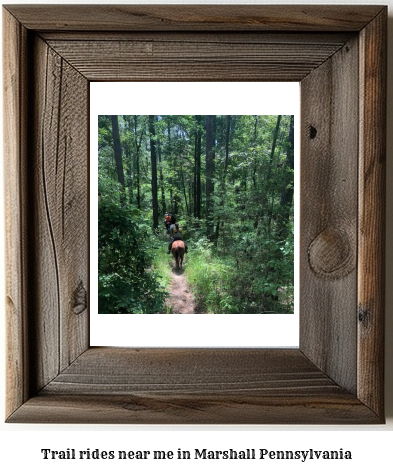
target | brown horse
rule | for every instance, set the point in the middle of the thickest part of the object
(178, 252)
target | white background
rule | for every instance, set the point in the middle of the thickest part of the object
(174, 98)
(371, 445)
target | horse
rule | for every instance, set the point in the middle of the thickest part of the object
(178, 252)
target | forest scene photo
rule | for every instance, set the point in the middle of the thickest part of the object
(226, 185)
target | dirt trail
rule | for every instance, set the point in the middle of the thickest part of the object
(180, 300)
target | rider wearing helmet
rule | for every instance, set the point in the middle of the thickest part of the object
(167, 220)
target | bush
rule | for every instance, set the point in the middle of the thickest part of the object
(125, 251)
(248, 283)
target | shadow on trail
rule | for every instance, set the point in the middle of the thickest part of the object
(181, 298)
(178, 271)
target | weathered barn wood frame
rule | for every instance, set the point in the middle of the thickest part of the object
(338, 54)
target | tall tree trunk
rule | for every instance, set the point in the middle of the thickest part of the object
(270, 211)
(209, 175)
(118, 157)
(223, 184)
(287, 189)
(129, 174)
(198, 187)
(176, 194)
(170, 159)
(129, 162)
(163, 203)
(153, 154)
(194, 187)
(275, 135)
(117, 149)
(138, 144)
(227, 135)
(190, 198)
(184, 191)
(177, 158)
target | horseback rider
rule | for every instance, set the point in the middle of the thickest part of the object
(167, 221)
(176, 234)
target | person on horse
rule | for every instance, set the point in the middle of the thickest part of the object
(167, 221)
(176, 234)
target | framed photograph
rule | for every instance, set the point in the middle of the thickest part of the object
(239, 283)
(51, 56)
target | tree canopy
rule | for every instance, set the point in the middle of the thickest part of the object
(228, 179)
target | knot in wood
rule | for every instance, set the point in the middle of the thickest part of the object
(331, 255)
(80, 299)
(313, 132)
(363, 316)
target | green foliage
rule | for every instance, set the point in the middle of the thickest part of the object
(126, 284)
(162, 264)
(210, 279)
(247, 263)
(244, 283)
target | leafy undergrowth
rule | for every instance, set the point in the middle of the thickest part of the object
(126, 282)
(220, 288)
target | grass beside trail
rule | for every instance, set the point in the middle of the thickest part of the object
(220, 289)
(217, 285)
(205, 275)
(162, 265)
(210, 279)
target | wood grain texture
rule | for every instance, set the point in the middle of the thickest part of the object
(52, 374)
(14, 70)
(198, 385)
(371, 261)
(195, 17)
(328, 245)
(216, 60)
(201, 37)
(239, 409)
(60, 193)
(184, 371)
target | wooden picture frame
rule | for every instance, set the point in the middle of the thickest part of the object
(338, 54)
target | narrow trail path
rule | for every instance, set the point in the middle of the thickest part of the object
(181, 299)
